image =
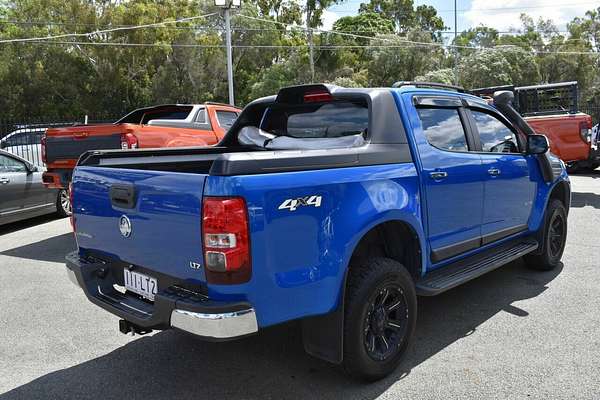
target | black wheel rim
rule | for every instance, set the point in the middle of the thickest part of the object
(556, 235)
(386, 323)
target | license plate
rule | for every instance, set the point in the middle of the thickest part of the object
(141, 284)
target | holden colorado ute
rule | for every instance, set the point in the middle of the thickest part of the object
(334, 206)
(172, 125)
(552, 110)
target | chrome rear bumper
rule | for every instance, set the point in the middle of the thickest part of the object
(201, 316)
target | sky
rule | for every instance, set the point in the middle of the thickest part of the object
(501, 15)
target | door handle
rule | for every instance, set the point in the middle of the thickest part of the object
(437, 175)
(4, 181)
(494, 171)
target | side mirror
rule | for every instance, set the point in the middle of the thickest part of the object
(31, 168)
(537, 144)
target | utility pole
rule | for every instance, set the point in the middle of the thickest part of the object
(456, 48)
(227, 5)
(311, 52)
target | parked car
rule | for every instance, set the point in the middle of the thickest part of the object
(332, 206)
(26, 143)
(552, 110)
(22, 194)
(173, 125)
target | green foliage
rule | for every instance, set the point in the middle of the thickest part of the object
(186, 62)
(365, 24)
(394, 59)
(444, 75)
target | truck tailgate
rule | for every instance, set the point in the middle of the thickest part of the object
(69, 143)
(164, 216)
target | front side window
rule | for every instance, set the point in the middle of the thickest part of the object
(443, 128)
(9, 164)
(495, 137)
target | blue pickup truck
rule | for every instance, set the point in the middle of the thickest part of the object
(334, 206)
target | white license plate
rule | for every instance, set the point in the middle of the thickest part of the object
(141, 284)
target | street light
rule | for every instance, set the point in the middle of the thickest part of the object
(227, 5)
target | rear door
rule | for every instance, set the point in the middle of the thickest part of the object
(452, 177)
(509, 188)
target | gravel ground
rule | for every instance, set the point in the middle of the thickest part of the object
(513, 333)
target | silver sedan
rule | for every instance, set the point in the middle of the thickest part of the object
(22, 194)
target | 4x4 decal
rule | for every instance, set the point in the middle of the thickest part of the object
(293, 204)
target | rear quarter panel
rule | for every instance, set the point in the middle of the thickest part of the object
(299, 258)
(150, 136)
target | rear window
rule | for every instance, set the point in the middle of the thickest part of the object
(179, 114)
(318, 120)
(226, 118)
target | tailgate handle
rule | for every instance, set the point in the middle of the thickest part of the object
(122, 196)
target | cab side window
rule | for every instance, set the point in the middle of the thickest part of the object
(494, 135)
(443, 128)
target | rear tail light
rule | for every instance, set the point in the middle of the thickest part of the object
(128, 141)
(43, 148)
(226, 241)
(72, 217)
(585, 130)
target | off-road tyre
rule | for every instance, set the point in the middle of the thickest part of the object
(554, 238)
(370, 311)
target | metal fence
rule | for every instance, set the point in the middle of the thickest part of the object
(23, 138)
(593, 109)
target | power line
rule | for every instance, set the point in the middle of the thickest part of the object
(319, 47)
(403, 42)
(97, 32)
(553, 5)
(431, 44)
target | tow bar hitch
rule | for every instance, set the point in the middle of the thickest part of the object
(127, 328)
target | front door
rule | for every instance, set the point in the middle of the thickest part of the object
(13, 174)
(509, 189)
(452, 179)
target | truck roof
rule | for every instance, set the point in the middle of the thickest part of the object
(136, 116)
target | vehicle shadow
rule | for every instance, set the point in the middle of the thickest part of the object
(273, 364)
(590, 174)
(579, 200)
(26, 223)
(52, 249)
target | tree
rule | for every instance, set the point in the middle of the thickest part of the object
(426, 19)
(444, 75)
(400, 11)
(365, 24)
(505, 65)
(394, 59)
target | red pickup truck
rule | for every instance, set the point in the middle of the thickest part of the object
(172, 125)
(552, 110)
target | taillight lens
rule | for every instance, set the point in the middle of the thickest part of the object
(43, 148)
(128, 141)
(585, 130)
(72, 217)
(226, 240)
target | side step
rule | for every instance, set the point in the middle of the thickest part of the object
(462, 271)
